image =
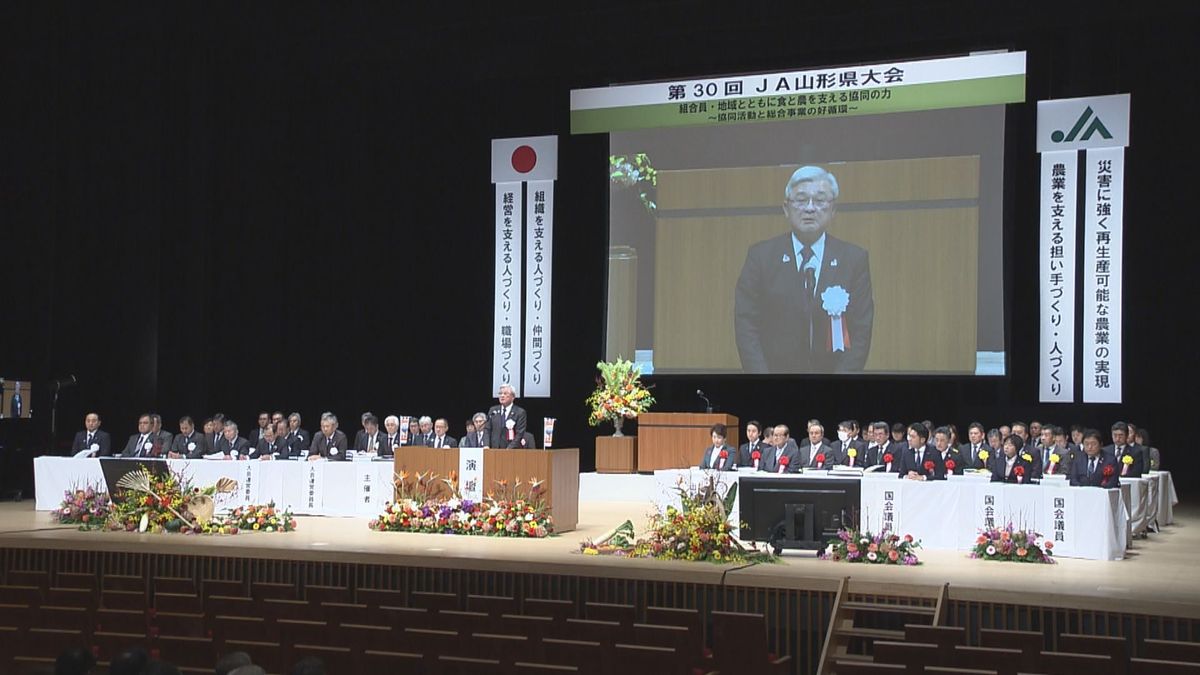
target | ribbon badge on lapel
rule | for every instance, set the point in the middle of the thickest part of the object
(835, 300)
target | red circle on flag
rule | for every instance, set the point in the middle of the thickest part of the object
(524, 159)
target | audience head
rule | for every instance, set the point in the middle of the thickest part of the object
(941, 438)
(1120, 433)
(1019, 429)
(506, 395)
(975, 433)
(1005, 430)
(1142, 436)
(92, 421)
(232, 661)
(370, 423)
(129, 662)
(392, 424)
(918, 435)
(779, 435)
(1077, 434)
(879, 433)
(159, 668)
(426, 423)
(898, 431)
(845, 430)
(1035, 429)
(231, 430)
(328, 424)
(816, 434)
(1047, 435)
(293, 421)
(145, 425)
(1012, 444)
(186, 425)
(995, 439)
(1091, 442)
(156, 423)
(264, 418)
(480, 421)
(277, 417)
(74, 661)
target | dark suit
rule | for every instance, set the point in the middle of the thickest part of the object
(276, 448)
(99, 437)
(954, 456)
(770, 461)
(239, 445)
(970, 455)
(447, 441)
(255, 436)
(744, 453)
(895, 450)
(136, 446)
(868, 456)
(781, 328)
(908, 462)
(297, 442)
(364, 442)
(332, 449)
(389, 443)
(1078, 473)
(840, 449)
(1034, 453)
(1137, 452)
(528, 442)
(497, 431)
(475, 439)
(706, 462)
(998, 464)
(179, 445)
(808, 455)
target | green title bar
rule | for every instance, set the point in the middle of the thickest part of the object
(801, 106)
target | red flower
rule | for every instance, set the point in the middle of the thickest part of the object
(950, 465)
(820, 458)
(887, 458)
(929, 466)
(1108, 471)
(1019, 470)
(756, 455)
(724, 454)
(784, 461)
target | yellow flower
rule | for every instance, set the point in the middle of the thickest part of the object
(1127, 460)
(852, 452)
(983, 454)
(1054, 458)
(1026, 456)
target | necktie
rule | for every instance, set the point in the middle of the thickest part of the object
(917, 456)
(1091, 466)
(141, 443)
(810, 277)
(89, 440)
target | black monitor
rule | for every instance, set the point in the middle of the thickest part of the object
(796, 512)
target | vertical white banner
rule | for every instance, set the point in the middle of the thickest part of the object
(248, 491)
(371, 492)
(1104, 189)
(1059, 526)
(989, 506)
(506, 336)
(539, 276)
(314, 493)
(470, 473)
(1056, 353)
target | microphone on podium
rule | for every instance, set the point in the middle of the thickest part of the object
(707, 403)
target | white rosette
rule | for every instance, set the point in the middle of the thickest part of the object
(835, 300)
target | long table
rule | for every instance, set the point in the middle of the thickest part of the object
(1082, 522)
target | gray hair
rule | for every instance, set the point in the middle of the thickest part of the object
(328, 417)
(817, 425)
(231, 423)
(294, 416)
(425, 419)
(392, 418)
(810, 173)
(509, 387)
(479, 416)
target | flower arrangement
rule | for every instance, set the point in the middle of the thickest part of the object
(1009, 543)
(258, 518)
(165, 503)
(885, 548)
(635, 172)
(619, 394)
(519, 510)
(697, 531)
(89, 508)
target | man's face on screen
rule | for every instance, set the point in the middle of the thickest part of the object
(809, 208)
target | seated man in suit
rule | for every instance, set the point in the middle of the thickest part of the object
(950, 457)
(297, 439)
(847, 442)
(162, 437)
(1061, 448)
(782, 456)
(256, 434)
(440, 438)
(919, 460)
(886, 451)
(231, 444)
(330, 443)
(1029, 452)
(1131, 458)
(358, 435)
(269, 447)
(1094, 467)
(506, 421)
(188, 444)
(92, 438)
(477, 436)
(142, 443)
(754, 443)
(719, 456)
(391, 437)
(370, 440)
(817, 453)
(1010, 466)
(976, 443)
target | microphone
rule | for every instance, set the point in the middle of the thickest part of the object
(707, 403)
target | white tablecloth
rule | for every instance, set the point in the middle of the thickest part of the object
(1082, 522)
(1167, 499)
(308, 488)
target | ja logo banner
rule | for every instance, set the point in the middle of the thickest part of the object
(1095, 127)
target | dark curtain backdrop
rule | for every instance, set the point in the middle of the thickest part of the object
(233, 206)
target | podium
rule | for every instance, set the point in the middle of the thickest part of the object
(558, 467)
(616, 454)
(677, 440)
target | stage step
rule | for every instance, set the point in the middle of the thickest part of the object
(872, 633)
(892, 609)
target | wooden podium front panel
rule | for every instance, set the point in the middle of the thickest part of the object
(678, 440)
(616, 454)
(558, 467)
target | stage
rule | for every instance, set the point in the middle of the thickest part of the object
(1156, 578)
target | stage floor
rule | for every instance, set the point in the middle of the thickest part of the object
(1157, 577)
